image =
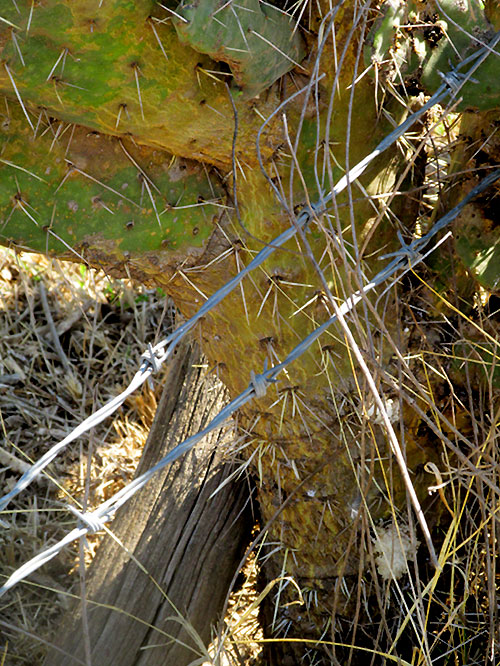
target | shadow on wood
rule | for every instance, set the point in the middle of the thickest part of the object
(188, 543)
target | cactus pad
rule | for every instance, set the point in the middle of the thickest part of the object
(478, 244)
(256, 40)
(74, 188)
(435, 38)
(119, 68)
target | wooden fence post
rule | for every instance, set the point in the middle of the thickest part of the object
(188, 542)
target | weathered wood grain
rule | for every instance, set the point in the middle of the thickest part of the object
(188, 543)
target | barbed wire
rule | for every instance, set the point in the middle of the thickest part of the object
(155, 356)
(405, 258)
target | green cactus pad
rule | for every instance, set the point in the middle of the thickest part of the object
(461, 24)
(381, 39)
(257, 41)
(119, 68)
(436, 38)
(71, 187)
(478, 245)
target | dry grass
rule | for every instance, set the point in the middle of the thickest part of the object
(103, 326)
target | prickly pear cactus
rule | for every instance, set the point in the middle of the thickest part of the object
(74, 195)
(476, 229)
(119, 68)
(259, 42)
(420, 41)
(116, 145)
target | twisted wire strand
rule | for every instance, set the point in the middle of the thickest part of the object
(152, 359)
(409, 257)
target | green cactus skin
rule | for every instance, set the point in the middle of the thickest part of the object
(476, 229)
(48, 205)
(443, 35)
(257, 41)
(101, 65)
(478, 246)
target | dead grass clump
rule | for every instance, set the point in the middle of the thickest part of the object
(70, 340)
